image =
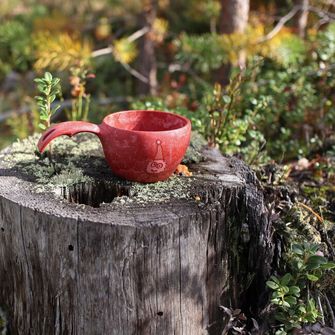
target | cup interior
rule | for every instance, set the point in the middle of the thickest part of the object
(142, 120)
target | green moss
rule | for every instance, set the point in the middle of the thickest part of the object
(193, 153)
(77, 160)
(63, 170)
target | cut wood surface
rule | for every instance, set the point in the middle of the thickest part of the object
(133, 266)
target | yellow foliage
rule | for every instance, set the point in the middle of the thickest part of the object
(236, 42)
(60, 52)
(54, 23)
(124, 51)
(159, 29)
(250, 43)
(276, 41)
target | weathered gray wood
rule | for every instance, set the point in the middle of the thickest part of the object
(160, 268)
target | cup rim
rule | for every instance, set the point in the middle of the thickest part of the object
(187, 121)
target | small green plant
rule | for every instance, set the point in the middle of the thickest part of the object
(294, 294)
(219, 107)
(49, 88)
(81, 99)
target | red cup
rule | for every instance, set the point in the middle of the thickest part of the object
(139, 145)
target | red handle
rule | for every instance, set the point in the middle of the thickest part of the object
(69, 128)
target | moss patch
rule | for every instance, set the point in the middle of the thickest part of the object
(80, 160)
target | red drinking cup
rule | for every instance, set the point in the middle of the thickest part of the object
(139, 145)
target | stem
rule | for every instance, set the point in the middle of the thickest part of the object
(49, 123)
(80, 105)
(321, 309)
(74, 111)
(49, 112)
(228, 112)
(330, 309)
(212, 24)
(87, 106)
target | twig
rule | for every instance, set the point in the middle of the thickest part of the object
(102, 52)
(135, 73)
(229, 319)
(132, 71)
(280, 24)
(325, 17)
(137, 34)
(331, 312)
(133, 37)
(321, 309)
(312, 211)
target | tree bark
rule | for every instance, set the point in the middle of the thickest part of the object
(138, 268)
(302, 18)
(233, 19)
(147, 64)
(234, 16)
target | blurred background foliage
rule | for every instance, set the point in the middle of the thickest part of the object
(167, 54)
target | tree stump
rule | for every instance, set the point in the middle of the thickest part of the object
(105, 256)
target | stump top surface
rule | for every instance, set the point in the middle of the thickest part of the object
(34, 183)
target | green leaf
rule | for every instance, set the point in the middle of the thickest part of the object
(298, 249)
(42, 126)
(312, 277)
(314, 248)
(275, 301)
(328, 266)
(56, 108)
(302, 309)
(281, 331)
(291, 300)
(294, 290)
(41, 87)
(55, 81)
(285, 279)
(226, 99)
(286, 304)
(41, 105)
(275, 294)
(300, 265)
(315, 261)
(272, 284)
(274, 279)
(285, 289)
(48, 76)
(44, 117)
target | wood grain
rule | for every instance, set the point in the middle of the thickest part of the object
(161, 268)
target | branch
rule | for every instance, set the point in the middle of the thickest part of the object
(330, 310)
(133, 37)
(280, 24)
(324, 15)
(137, 34)
(109, 50)
(102, 52)
(135, 73)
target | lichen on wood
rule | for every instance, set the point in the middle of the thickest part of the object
(80, 160)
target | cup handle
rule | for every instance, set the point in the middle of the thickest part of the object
(68, 128)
